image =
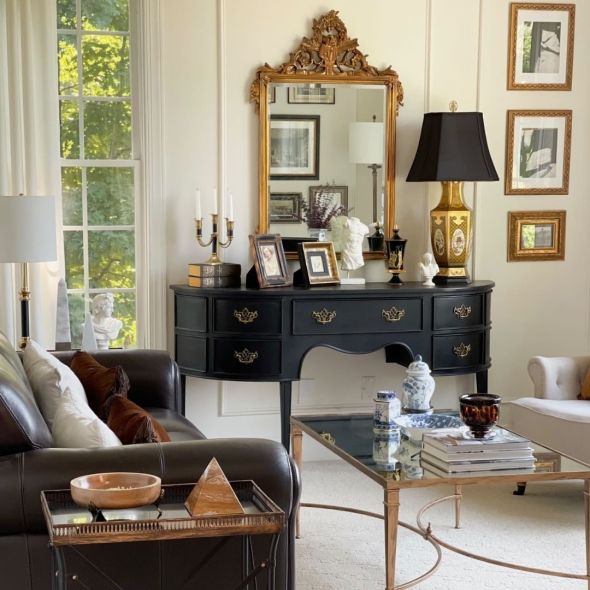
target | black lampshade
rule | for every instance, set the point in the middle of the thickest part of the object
(453, 146)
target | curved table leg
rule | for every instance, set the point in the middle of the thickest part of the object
(286, 388)
(458, 496)
(297, 442)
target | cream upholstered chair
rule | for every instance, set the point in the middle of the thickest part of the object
(554, 417)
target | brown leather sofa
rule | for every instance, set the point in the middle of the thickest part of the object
(29, 464)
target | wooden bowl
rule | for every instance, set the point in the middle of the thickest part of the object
(116, 490)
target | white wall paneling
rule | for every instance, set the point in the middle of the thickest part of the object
(443, 50)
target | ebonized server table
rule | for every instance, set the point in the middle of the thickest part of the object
(264, 335)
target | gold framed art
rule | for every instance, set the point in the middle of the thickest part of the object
(318, 263)
(536, 236)
(541, 53)
(269, 261)
(538, 149)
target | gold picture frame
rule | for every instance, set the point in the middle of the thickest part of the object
(541, 54)
(538, 152)
(318, 263)
(535, 236)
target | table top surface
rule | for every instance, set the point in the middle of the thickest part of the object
(353, 442)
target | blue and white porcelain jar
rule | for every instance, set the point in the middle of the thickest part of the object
(385, 444)
(387, 409)
(418, 387)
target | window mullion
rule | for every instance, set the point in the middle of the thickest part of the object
(85, 241)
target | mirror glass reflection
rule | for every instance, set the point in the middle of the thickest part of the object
(327, 157)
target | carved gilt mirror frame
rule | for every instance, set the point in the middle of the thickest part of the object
(329, 56)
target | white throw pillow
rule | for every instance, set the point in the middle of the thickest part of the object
(76, 426)
(49, 378)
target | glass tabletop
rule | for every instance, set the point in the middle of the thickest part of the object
(397, 456)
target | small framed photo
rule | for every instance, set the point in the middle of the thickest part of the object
(536, 235)
(285, 207)
(339, 194)
(318, 263)
(272, 94)
(269, 261)
(294, 147)
(541, 53)
(311, 94)
(538, 151)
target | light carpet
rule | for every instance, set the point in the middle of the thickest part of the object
(338, 550)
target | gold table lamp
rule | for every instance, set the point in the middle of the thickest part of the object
(453, 149)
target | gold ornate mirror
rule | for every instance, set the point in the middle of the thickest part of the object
(327, 131)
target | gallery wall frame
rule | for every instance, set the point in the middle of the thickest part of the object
(285, 207)
(535, 236)
(538, 152)
(541, 52)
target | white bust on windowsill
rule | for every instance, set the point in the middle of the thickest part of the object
(106, 327)
(428, 268)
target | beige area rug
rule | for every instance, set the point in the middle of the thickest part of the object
(339, 550)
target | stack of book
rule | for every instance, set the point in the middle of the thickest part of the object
(214, 275)
(452, 454)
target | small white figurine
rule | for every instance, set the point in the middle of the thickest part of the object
(105, 326)
(428, 268)
(351, 257)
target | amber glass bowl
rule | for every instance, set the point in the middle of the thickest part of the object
(480, 411)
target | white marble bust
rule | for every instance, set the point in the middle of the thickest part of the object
(428, 268)
(353, 234)
(105, 326)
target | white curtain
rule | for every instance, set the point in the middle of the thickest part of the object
(29, 147)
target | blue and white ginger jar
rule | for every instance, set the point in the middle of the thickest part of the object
(418, 386)
(387, 409)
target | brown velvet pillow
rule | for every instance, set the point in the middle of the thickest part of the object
(585, 393)
(99, 382)
(132, 424)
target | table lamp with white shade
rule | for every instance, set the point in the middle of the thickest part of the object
(27, 234)
(365, 146)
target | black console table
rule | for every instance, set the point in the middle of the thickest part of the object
(264, 335)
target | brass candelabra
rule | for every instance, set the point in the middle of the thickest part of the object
(214, 239)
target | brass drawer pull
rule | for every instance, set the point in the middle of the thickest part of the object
(393, 314)
(324, 316)
(462, 351)
(246, 357)
(462, 312)
(245, 316)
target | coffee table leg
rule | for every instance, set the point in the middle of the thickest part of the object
(391, 501)
(297, 442)
(587, 519)
(58, 568)
(458, 494)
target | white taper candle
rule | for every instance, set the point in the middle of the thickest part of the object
(198, 214)
(215, 211)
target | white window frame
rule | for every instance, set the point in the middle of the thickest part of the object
(135, 162)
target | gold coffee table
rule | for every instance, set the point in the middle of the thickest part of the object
(350, 437)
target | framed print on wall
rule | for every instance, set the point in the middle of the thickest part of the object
(538, 148)
(285, 207)
(339, 193)
(536, 235)
(311, 94)
(294, 147)
(541, 52)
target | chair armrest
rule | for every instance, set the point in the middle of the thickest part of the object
(153, 375)
(558, 378)
(24, 476)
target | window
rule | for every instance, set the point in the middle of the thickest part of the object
(98, 169)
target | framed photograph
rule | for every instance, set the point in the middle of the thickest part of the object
(339, 193)
(285, 208)
(294, 147)
(318, 263)
(541, 53)
(269, 260)
(272, 94)
(311, 94)
(538, 151)
(536, 235)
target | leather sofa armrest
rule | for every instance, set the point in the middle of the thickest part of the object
(558, 378)
(153, 375)
(25, 475)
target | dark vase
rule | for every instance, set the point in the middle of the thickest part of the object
(480, 411)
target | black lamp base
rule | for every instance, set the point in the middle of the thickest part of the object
(452, 280)
(395, 279)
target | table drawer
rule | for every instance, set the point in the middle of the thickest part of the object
(247, 317)
(463, 311)
(357, 316)
(191, 353)
(247, 357)
(458, 351)
(191, 313)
